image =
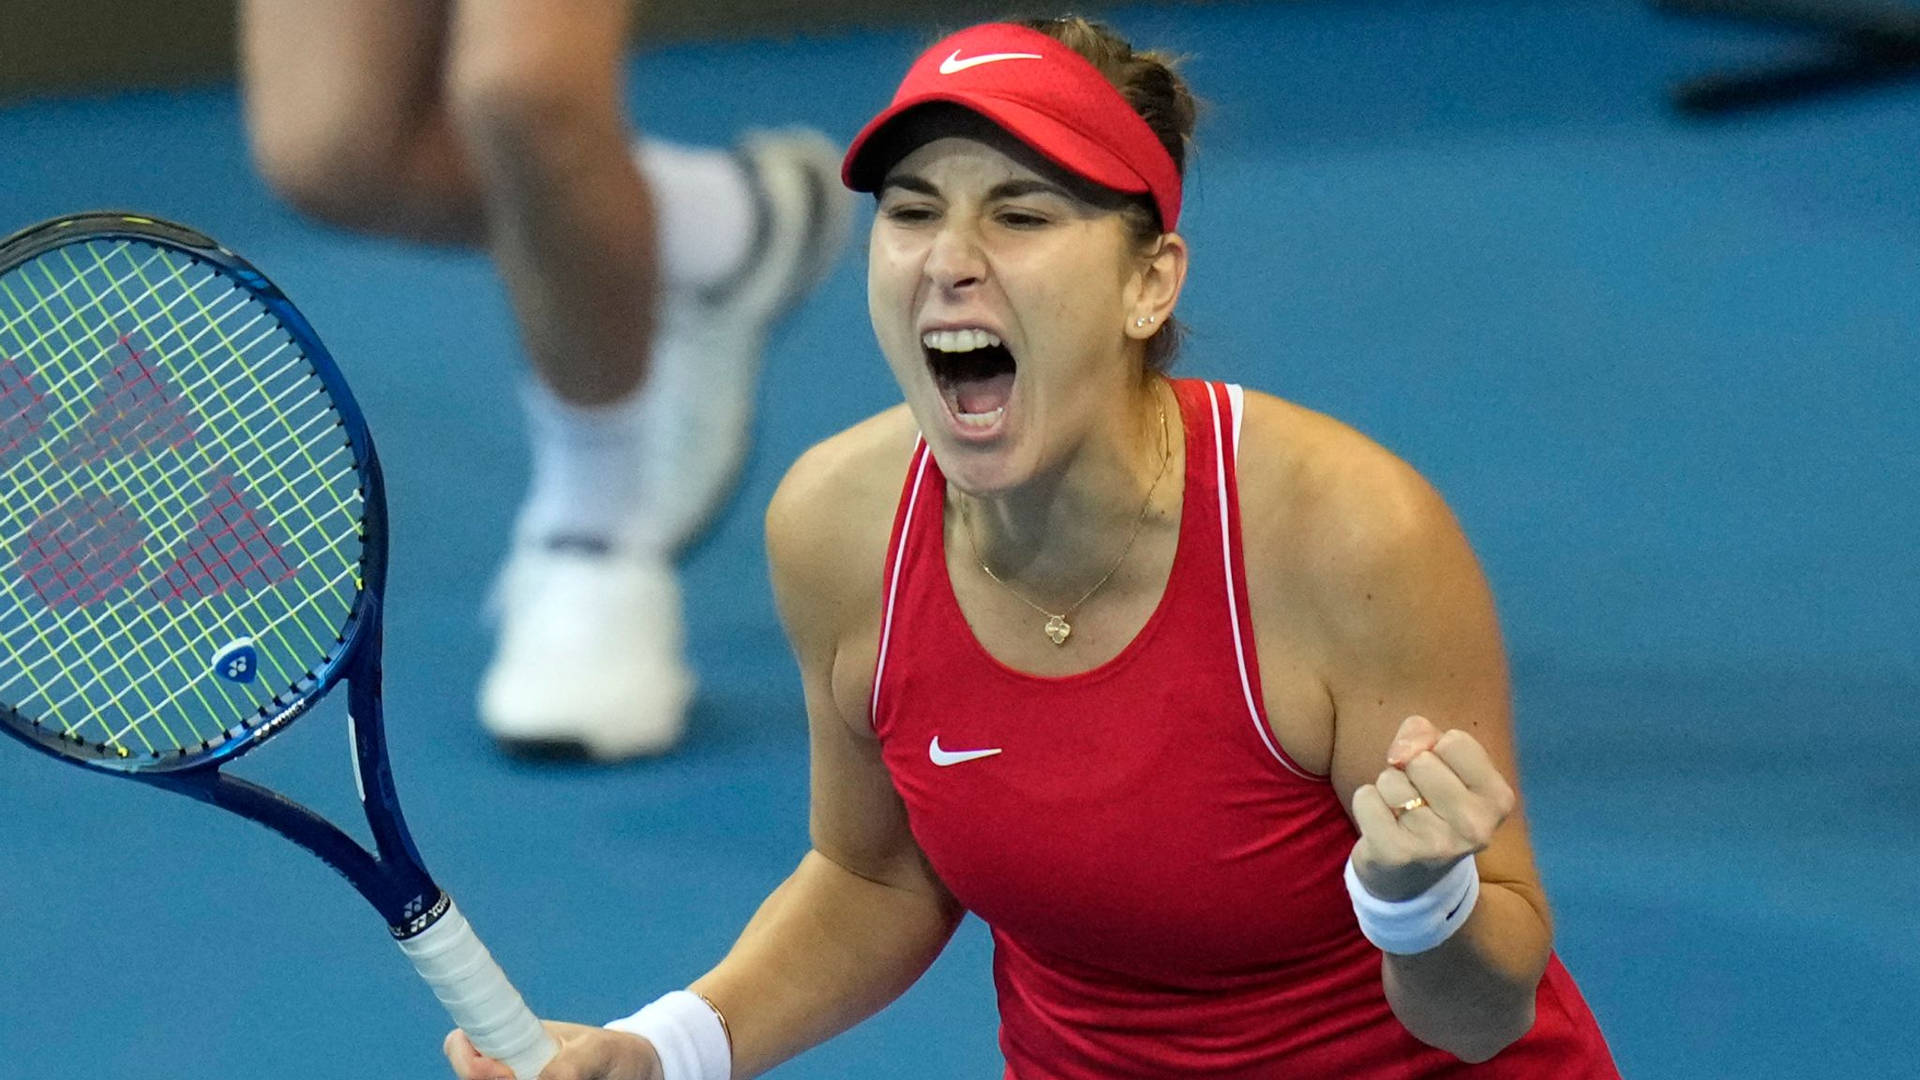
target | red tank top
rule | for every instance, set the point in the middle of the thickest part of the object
(1162, 881)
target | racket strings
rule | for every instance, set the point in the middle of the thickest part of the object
(20, 412)
(246, 372)
(116, 608)
(132, 412)
(169, 525)
(208, 496)
(72, 371)
(44, 478)
(239, 546)
(75, 372)
(145, 325)
(67, 463)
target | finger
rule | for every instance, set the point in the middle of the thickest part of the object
(1380, 855)
(1471, 763)
(1421, 825)
(469, 1063)
(1416, 734)
(1372, 814)
(460, 1052)
(1395, 787)
(1466, 814)
(456, 1046)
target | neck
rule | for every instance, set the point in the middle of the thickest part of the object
(1059, 534)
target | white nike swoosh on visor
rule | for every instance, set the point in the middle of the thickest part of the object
(943, 758)
(953, 63)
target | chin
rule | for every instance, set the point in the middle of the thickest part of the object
(980, 471)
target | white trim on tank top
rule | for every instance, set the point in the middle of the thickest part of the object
(1236, 397)
(921, 452)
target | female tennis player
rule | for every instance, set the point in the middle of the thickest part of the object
(1195, 696)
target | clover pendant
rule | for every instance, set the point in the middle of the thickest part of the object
(1057, 629)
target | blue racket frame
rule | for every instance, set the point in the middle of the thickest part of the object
(392, 877)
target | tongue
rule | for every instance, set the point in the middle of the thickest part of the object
(983, 395)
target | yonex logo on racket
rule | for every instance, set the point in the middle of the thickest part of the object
(237, 661)
(190, 528)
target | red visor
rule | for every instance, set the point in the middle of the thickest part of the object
(1044, 94)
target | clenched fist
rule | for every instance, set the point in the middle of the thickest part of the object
(1439, 799)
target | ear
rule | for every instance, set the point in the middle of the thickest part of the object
(1155, 287)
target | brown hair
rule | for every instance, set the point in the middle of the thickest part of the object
(1151, 84)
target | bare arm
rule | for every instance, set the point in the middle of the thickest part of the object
(1417, 637)
(863, 916)
(849, 931)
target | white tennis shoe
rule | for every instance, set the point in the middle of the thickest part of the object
(697, 405)
(591, 654)
(591, 660)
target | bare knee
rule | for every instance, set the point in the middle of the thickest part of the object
(331, 167)
(532, 109)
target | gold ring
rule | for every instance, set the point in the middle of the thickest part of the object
(1408, 807)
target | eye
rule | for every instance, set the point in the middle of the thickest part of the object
(1021, 219)
(909, 213)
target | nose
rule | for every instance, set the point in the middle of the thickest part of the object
(955, 262)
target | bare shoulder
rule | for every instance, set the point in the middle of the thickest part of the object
(1345, 514)
(829, 522)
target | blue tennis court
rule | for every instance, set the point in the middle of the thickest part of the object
(1664, 371)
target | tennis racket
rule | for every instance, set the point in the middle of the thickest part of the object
(193, 552)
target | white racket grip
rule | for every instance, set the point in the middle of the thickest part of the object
(478, 996)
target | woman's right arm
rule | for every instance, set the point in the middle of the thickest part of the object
(863, 915)
(848, 931)
(855, 924)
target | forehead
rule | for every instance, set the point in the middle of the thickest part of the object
(945, 135)
(977, 163)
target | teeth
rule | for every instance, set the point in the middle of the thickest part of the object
(981, 420)
(956, 341)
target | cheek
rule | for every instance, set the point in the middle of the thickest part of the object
(1071, 285)
(1072, 312)
(889, 292)
(890, 316)
(893, 273)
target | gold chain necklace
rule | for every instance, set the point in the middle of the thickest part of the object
(1058, 627)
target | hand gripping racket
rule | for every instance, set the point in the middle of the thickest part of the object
(193, 551)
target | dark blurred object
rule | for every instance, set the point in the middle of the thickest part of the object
(91, 46)
(1857, 44)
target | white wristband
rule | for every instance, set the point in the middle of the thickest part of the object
(1418, 923)
(688, 1033)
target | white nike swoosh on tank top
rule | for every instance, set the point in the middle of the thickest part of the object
(943, 758)
(954, 64)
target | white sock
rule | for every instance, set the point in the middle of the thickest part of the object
(704, 212)
(588, 470)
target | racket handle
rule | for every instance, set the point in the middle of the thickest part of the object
(478, 996)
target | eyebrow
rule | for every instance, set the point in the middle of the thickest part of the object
(1006, 189)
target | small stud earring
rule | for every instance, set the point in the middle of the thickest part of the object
(1143, 320)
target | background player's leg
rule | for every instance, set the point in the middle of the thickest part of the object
(346, 117)
(535, 87)
(590, 653)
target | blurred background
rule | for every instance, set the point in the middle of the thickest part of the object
(1658, 351)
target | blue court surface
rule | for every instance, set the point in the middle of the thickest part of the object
(1665, 371)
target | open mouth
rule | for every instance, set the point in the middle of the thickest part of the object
(974, 372)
